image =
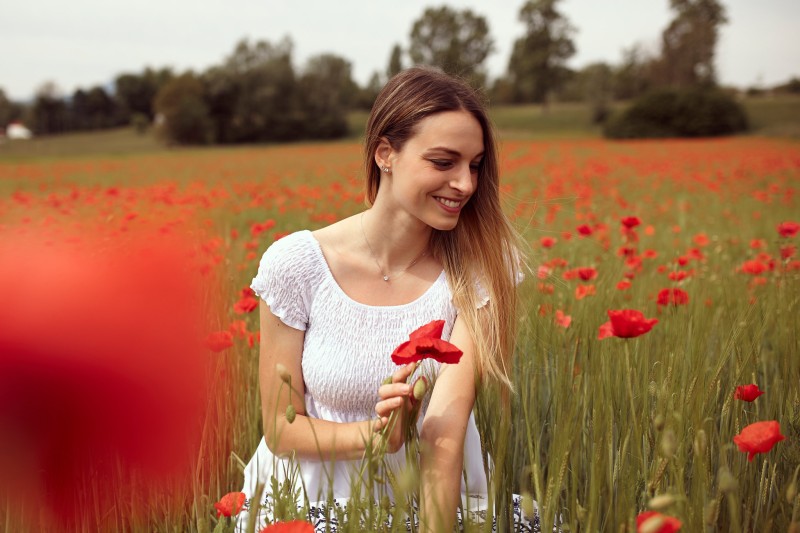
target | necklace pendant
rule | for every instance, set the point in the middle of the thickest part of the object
(385, 278)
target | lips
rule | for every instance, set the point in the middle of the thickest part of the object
(448, 203)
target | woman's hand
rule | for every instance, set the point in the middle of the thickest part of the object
(394, 400)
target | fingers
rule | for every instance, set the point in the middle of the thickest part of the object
(393, 390)
(402, 373)
(384, 408)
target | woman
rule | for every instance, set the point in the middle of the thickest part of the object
(434, 245)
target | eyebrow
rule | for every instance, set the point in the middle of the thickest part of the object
(450, 151)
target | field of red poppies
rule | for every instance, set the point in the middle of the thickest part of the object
(657, 369)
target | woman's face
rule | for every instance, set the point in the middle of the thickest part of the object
(436, 172)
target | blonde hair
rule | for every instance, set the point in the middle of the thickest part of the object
(483, 248)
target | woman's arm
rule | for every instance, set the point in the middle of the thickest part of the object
(310, 437)
(442, 438)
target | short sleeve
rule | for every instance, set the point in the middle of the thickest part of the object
(284, 279)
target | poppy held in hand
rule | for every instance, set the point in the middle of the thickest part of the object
(626, 323)
(426, 343)
(759, 437)
(747, 393)
(230, 504)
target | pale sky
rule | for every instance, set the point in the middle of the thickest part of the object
(83, 43)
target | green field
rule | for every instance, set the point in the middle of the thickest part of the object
(599, 430)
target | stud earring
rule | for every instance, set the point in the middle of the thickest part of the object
(387, 170)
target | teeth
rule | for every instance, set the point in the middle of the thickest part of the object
(448, 203)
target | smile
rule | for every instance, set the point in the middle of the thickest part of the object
(452, 204)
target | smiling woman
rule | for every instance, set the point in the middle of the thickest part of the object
(434, 247)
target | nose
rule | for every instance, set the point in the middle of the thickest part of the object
(464, 180)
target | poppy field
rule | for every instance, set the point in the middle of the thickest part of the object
(657, 373)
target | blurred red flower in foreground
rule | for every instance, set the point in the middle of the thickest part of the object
(672, 297)
(788, 229)
(103, 381)
(426, 343)
(295, 526)
(246, 304)
(654, 522)
(230, 504)
(747, 393)
(759, 437)
(626, 323)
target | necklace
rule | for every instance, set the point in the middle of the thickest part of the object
(387, 276)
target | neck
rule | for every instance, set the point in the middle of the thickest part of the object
(394, 241)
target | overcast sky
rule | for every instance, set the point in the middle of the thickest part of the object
(82, 43)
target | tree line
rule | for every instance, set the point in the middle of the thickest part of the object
(256, 93)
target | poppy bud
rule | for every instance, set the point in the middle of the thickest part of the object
(661, 502)
(419, 389)
(290, 413)
(284, 374)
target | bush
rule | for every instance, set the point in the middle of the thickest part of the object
(679, 113)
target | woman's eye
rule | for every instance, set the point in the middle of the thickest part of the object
(475, 167)
(441, 164)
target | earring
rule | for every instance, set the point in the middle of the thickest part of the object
(387, 170)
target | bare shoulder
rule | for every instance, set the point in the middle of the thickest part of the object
(338, 236)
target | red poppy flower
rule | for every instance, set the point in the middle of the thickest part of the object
(623, 285)
(788, 229)
(680, 275)
(757, 244)
(587, 273)
(582, 291)
(247, 304)
(759, 437)
(584, 230)
(631, 222)
(626, 323)
(426, 343)
(257, 228)
(754, 267)
(230, 504)
(701, 239)
(787, 252)
(747, 393)
(563, 320)
(432, 329)
(669, 524)
(547, 242)
(219, 340)
(295, 526)
(672, 297)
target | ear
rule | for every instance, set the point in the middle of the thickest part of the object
(384, 153)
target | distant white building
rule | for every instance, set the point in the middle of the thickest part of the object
(17, 130)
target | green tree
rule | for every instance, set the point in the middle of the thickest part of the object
(265, 102)
(49, 113)
(537, 64)
(395, 61)
(632, 77)
(183, 112)
(689, 43)
(328, 91)
(458, 42)
(135, 92)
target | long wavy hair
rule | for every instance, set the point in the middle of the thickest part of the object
(482, 253)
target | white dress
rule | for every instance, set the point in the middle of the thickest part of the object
(346, 356)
